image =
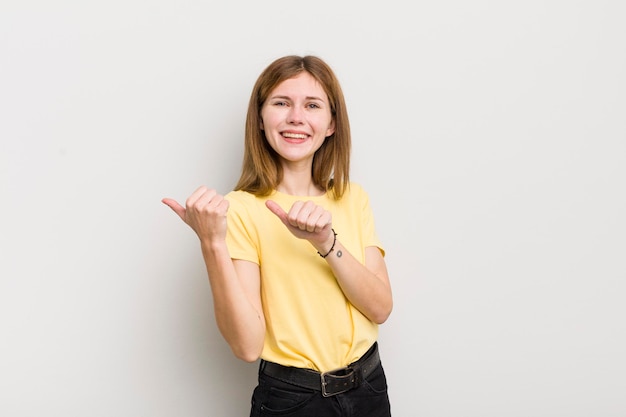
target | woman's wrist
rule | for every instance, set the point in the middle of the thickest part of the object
(213, 245)
(325, 253)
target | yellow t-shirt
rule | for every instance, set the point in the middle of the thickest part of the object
(310, 323)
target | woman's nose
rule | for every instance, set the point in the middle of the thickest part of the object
(295, 115)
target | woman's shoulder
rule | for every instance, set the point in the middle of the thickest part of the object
(239, 196)
(244, 206)
(355, 190)
(241, 201)
(355, 186)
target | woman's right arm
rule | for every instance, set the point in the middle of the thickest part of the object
(236, 289)
(235, 284)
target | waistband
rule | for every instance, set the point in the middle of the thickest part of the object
(329, 383)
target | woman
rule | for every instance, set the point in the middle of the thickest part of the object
(311, 317)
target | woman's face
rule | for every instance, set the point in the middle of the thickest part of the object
(296, 118)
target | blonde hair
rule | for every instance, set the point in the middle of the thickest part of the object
(261, 171)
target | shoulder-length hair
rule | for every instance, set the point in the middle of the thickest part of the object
(261, 171)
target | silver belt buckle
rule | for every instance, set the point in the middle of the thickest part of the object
(348, 381)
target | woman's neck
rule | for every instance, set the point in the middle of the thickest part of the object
(299, 184)
(304, 190)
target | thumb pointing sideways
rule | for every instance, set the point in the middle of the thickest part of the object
(177, 208)
(277, 210)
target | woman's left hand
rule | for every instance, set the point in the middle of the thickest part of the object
(306, 220)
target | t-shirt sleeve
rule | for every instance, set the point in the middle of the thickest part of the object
(370, 237)
(241, 235)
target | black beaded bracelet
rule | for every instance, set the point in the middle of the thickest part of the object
(332, 248)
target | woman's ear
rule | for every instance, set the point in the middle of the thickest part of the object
(331, 128)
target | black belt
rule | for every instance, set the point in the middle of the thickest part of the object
(329, 383)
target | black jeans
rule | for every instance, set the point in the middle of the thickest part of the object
(273, 397)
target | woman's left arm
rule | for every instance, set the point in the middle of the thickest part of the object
(366, 284)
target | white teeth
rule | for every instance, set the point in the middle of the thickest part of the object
(294, 136)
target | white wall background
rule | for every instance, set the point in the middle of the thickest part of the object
(491, 136)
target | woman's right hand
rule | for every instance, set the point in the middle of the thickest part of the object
(205, 212)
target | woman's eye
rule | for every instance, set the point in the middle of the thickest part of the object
(313, 106)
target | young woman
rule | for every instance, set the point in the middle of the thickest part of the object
(296, 269)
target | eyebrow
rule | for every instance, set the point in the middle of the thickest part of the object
(307, 98)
